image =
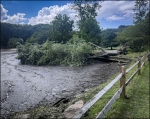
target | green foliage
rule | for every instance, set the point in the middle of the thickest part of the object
(12, 43)
(86, 9)
(90, 31)
(88, 26)
(136, 36)
(140, 10)
(61, 30)
(38, 32)
(24, 52)
(38, 37)
(75, 52)
(79, 51)
(108, 38)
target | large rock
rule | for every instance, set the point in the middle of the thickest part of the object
(68, 113)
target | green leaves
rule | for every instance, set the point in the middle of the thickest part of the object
(108, 37)
(61, 30)
(75, 53)
(90, 31)
(136, 36)
(86, 9)
(140, 9)
(12, 43)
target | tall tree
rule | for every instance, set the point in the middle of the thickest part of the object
(61, 29)
(140, 10)
(86, 9)
(90, 31)
(88, 26)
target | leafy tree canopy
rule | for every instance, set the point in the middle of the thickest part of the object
(136, 36)
(9, 31)
(90, 31)
(140, 10)
(61, 29)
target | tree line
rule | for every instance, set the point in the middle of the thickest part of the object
(60, 33)
(60, 30)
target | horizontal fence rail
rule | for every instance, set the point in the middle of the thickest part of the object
(132, 77)
(80, 112)
(109, 104)
(122, 76)
(132, 67)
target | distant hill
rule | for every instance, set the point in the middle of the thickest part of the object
(39, 32)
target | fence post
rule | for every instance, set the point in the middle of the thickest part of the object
(139, 65)
(122, 82)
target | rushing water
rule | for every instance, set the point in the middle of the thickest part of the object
(24, 86)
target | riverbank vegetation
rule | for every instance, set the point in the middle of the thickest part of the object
(74, 52)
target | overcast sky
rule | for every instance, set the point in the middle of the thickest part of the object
(111, 15)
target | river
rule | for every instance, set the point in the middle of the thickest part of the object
(24, 86)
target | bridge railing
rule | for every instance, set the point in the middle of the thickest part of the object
(121, 92)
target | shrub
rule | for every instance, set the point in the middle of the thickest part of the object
(75, 52)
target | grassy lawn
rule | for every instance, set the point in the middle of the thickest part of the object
(137, 104)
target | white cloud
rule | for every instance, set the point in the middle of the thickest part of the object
(114, 18)
(3, 12)
(16, 18)
(22, 23)
(47, 14)
(110, 11)
(116, 10)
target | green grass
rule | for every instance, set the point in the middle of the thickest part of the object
(137, 104)
(135, 54)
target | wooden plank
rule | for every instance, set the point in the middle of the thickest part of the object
(132, 67)
(131, 77)
(139, 65)
(142, 58)
(81, 111)
(109, 104)
(122, 82)
(143, 63)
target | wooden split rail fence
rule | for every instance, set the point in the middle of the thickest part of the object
(121, 92)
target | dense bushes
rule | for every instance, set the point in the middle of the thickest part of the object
(75, 53)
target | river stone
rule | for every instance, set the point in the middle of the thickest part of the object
(68, 113)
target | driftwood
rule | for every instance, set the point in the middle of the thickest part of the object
(123, 50)
(110, 55)
(112, 59)
(106, 52)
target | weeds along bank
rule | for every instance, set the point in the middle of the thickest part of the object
(74, 53)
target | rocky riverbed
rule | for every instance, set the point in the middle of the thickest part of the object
(25, 86)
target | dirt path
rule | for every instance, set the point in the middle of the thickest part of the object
(24, 86)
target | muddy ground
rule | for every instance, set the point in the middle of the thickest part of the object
(24, 86)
